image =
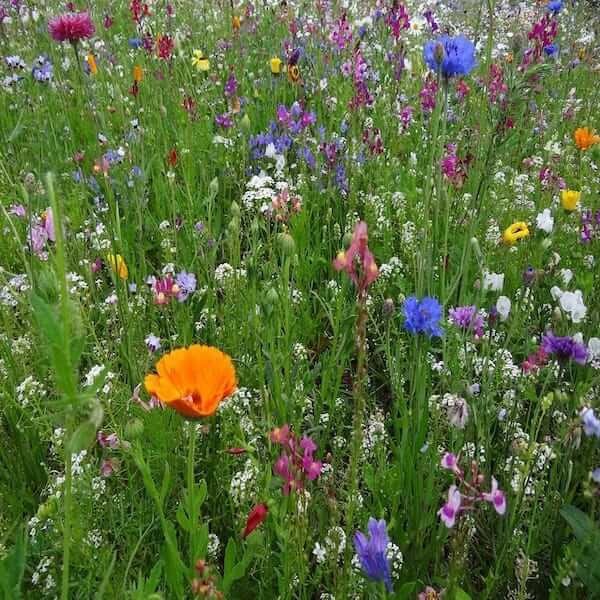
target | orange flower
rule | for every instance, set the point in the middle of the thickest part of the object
(193, 380)
(91, 61)
(293, 73)
(138, 73)
(236, 23)
(585, 138)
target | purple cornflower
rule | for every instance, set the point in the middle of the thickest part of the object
(187, 285)
(423, 316)
(71, 27)
(372, 552)
(468, 318)
(450, 55)
(564, 348)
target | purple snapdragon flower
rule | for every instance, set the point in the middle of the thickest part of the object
(372, 551)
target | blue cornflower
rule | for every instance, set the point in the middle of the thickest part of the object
(551, 49)
(423, 316)
(590, 422)
(450, 55)
(554, 6)
(135, 43)
(372, 552)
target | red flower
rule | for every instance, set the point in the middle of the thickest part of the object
(172, 157)
(257, 515)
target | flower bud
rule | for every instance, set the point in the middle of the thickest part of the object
(245, 123)
(286, 243)
(388, 308)
(213, 187)
(134, 428)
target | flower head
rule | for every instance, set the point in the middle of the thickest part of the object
(517, 231)
(496, 497)
(275, 64)
(569, 199)
(358, 261)
(450, 510)
(118, 265)
(585, 138)
(423, 316)
(564, 348)
(591, 423)
(371, 552)
(257, 515)
(200, 61)
(468, 318)
(71, 27)
(193, 380)
(450, 55)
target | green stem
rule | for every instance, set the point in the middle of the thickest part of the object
(191, 491)
(67, 523)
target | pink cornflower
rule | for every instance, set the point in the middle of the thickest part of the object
(358, 261)
(71, 27)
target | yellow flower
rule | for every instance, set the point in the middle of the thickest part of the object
(118, 265)
(275, 63)
(236, 23)
(91, 61)
(569, 199)
(200, 61)
(515, 232)
(138, 73)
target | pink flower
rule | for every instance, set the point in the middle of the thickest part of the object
(450, 462)
(358, 255)
(450, 510)
(496, 497)
(71, 27)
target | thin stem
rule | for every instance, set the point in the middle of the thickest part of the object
(67, 523)
(191, 491)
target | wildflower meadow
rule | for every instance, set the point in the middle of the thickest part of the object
(300, 299)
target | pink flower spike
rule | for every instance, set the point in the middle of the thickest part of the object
(496, 497)
(358, 255)
(450, 510)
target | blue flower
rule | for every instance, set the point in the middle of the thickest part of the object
(554, 6)
(423, 316)
(590, 422)
(372, 552)
(135, 43)
(450, 55)
(551, 50)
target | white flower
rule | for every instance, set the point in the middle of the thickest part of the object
(545, 221)
(493, 281)
(572, 304)
(594, 348)
(566, 275)
(503, 307)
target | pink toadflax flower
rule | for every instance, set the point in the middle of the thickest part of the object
(71, 27)
(496, 497)
(358, 261)
(450, 510)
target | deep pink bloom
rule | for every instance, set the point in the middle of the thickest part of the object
(71, 27)
(358, 261)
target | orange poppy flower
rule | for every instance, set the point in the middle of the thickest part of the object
(193, 381)
(585, 138)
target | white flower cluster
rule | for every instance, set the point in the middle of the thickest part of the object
(243, 484)
(30, 390)
(333, 546)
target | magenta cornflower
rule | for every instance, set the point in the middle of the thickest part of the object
(71, 27)
(467, 318)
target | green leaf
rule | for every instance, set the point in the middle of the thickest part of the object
(407, 591)
(12, 569)
(461, 595)
(166, 483)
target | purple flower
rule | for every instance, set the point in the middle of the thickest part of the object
(423, 316)
(372, 552)
(591, 423)
(187, 285)
(18, 210)
(496, 497)
(230, 86)
(225, 121)
(596, 475)
(450, 55)
(450, 510)
(467, 317)
(450, 462)
(564, 348)
(152, 343)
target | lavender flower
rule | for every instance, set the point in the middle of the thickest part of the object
(591, 423)
(187, 285)
(467, 317)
